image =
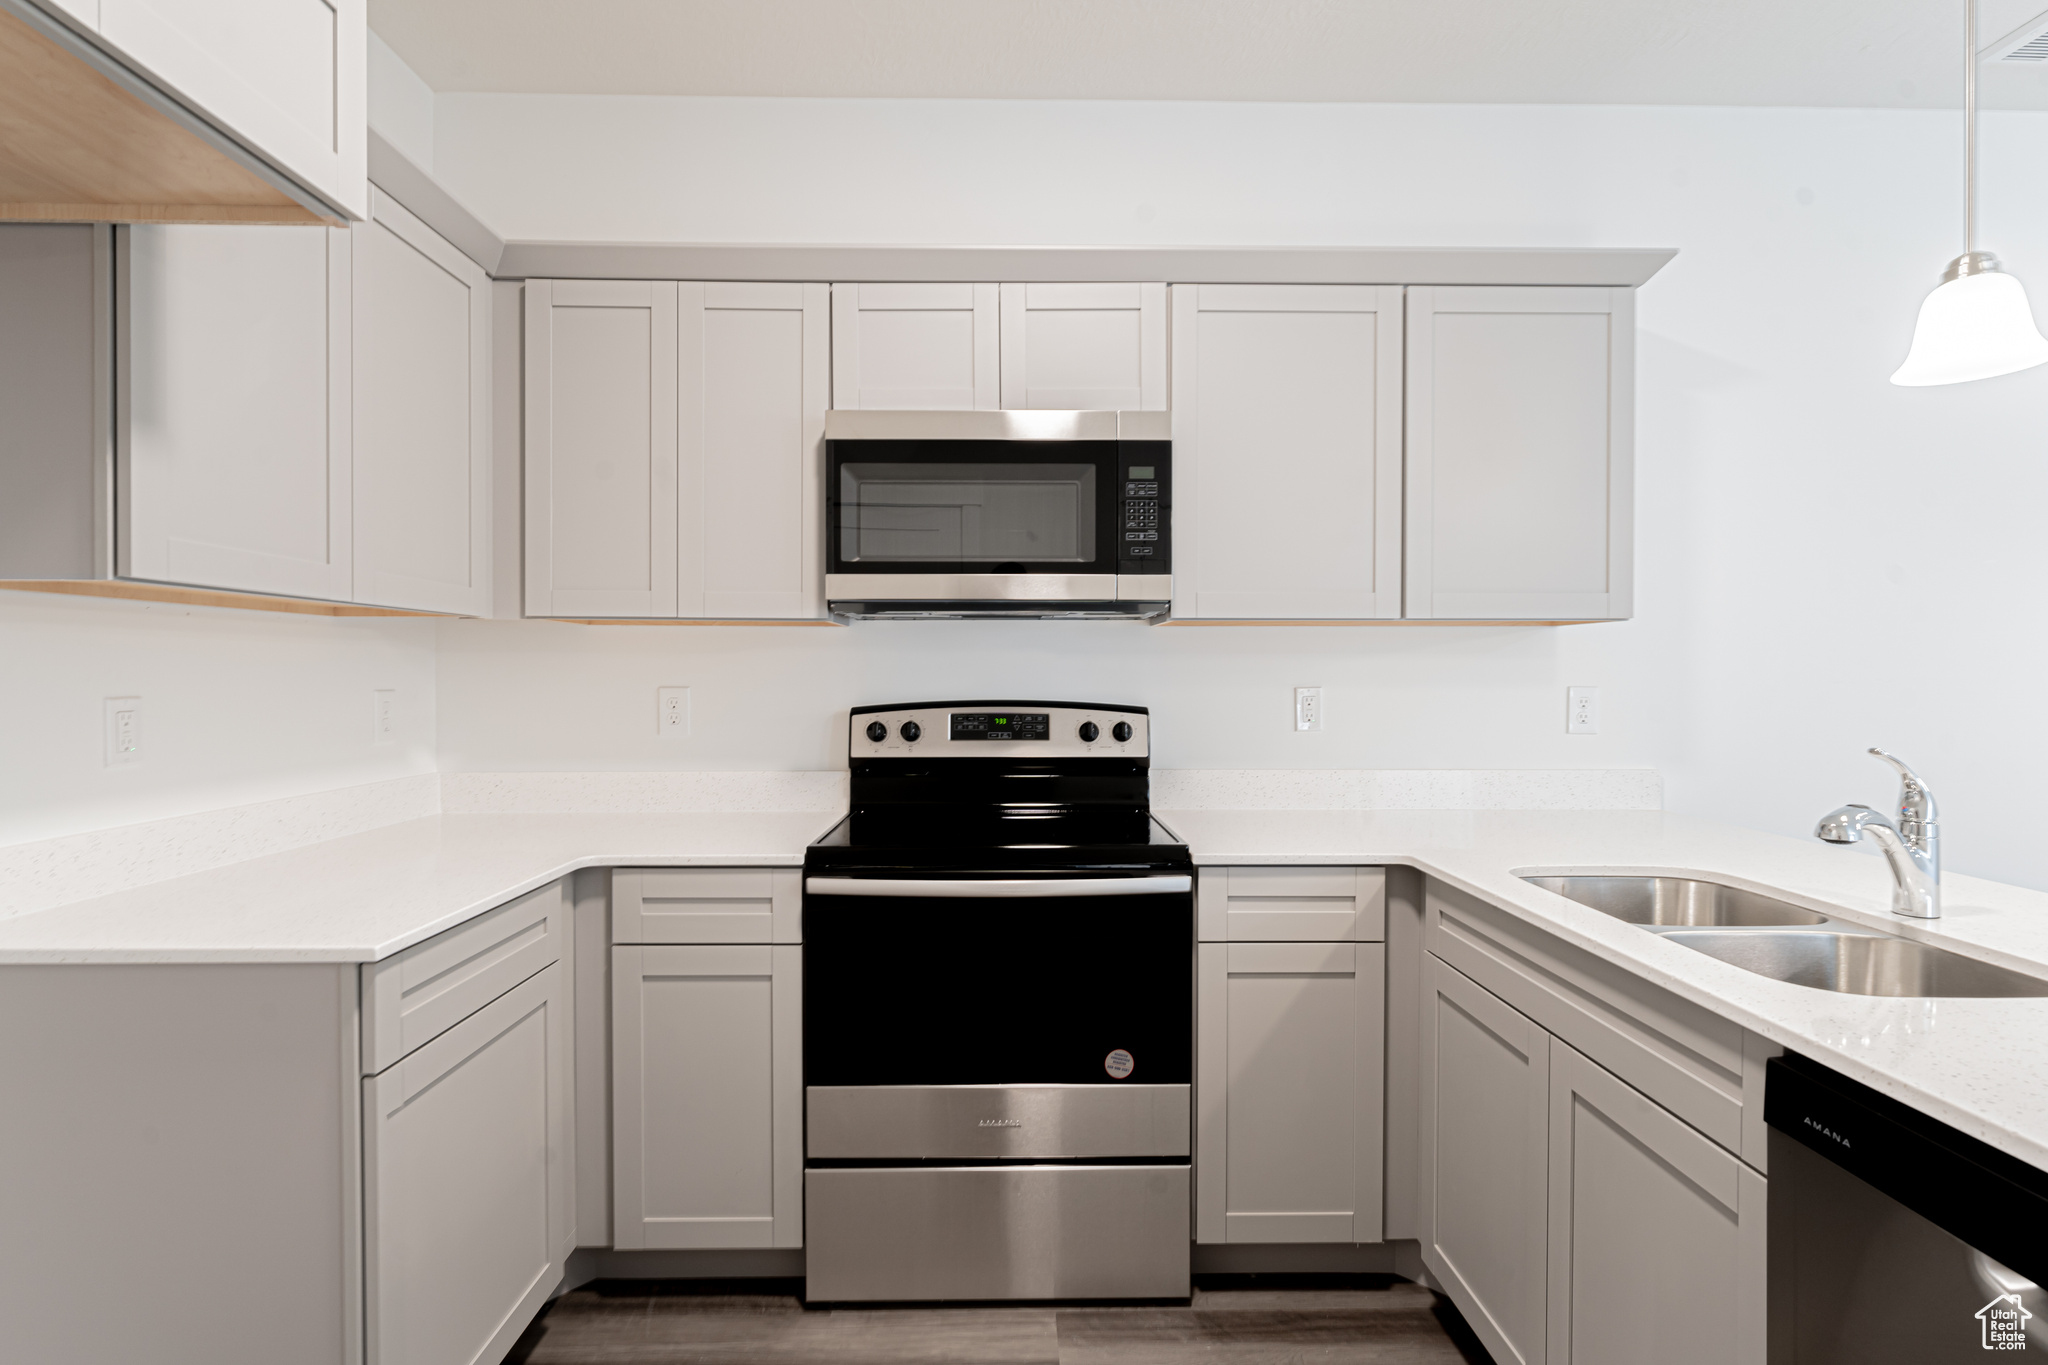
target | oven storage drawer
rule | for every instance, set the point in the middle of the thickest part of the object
(996, 1122)
(997, 1232)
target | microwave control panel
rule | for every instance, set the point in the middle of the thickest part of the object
(1145, 510)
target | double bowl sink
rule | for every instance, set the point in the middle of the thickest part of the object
(1785, 942)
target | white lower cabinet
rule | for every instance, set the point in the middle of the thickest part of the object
(707, 1095)
(1485, 1120)
(467, 1190)
(1573, 1220)
(1291, 1049)
(1656, 1234)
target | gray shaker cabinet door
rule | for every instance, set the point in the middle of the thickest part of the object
(422, 437)
(1656, 1233)
(1521, 465)
(1287, 451)
(1292, 1056)
(1485, 1161)
(232, 408)
(707, 1096)
(600, 448)
(916, 345)
(468, 1209)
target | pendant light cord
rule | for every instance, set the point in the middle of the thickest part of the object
(1969, 126)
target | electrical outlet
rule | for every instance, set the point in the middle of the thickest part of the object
(1582, 710)
(1308, 708)
(383, 730)
(124, 731)
(672, 712)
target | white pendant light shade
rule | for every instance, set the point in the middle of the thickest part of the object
(1973, 326)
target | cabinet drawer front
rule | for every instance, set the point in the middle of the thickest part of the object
(427, 989)
(706, 905)
(1293, 904)
(1680, 1055)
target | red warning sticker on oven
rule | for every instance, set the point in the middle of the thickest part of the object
(1119, 1064)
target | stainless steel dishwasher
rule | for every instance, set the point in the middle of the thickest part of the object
(1893, 1236)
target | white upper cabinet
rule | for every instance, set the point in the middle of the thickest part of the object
(1287, 451)
(1087, 347)
(287, 78)
(915, 346)
(752, 394)
(674, 448)
(422, 414)
(1520, 453)
(232, 409)
(600, 448)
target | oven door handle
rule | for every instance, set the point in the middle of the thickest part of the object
(993, 888)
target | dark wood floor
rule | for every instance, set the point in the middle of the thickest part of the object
(1232, 1320)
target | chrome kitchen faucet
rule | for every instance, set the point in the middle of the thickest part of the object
(1912, 847)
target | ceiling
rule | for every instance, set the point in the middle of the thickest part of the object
(1846, 53)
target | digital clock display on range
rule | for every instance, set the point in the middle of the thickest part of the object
(1001, 725)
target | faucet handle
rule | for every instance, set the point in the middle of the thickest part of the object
(1916, 802)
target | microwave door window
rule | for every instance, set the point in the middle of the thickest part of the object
(974, 514)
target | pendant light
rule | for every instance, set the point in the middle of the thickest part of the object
(1976, 323)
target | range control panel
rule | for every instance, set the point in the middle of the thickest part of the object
(1000, 726)
(984, 729)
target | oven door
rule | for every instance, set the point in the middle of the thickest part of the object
(998, 1017)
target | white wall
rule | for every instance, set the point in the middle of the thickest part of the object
(236, 707)
(1825, 561)
(401, 104)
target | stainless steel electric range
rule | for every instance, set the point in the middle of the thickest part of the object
(999, 951)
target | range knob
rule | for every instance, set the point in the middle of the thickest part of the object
(910, 731)
(877, 731)
(1089, 730)
(1122, 731)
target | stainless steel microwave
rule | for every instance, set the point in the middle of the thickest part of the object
(1031, 514)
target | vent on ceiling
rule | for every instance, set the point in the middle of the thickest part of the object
(2026, 45)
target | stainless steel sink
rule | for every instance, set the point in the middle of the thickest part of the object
(1680, 902)
(1858, 963)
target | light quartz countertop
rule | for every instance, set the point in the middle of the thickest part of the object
(367, 896)
(1980, 1065)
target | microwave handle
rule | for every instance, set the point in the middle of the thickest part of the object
(999, 888)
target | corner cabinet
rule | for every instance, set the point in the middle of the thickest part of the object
(421, 376)
(288, 78)
(1573, 1218)
(1290, 1056)
(468, 1136)
(674, 449)
(1520, 453)
(707, 1059)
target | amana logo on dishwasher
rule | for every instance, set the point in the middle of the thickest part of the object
(1000, 1123)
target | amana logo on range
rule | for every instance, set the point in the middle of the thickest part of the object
(1001, 1123)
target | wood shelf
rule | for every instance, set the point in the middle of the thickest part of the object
(197, 597)
(76, 147)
